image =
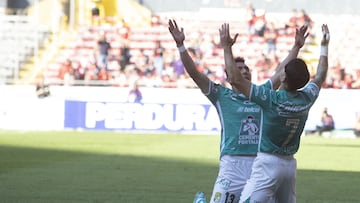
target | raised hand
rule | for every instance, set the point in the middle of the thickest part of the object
(177, 33)
(225, 38)
(326, 35)
(301, 35)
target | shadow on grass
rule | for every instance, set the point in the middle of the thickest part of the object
(40, 175)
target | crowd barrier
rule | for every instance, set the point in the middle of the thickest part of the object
(162, 110)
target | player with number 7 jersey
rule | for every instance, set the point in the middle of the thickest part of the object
(285, 113)
(284, 118)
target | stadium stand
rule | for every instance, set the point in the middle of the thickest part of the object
(21, 43)
(142, 40)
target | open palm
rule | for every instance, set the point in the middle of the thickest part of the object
(176, 32)
(301, 35)
(326, 35)
(225, 38)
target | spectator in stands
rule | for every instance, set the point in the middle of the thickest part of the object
(142, 64)
(178, 66)
(267, 66)
(206, 46)
(103, 49)
(156, 20)
(141, 60)
(135, 94)
(91, 73)
(103, 75)
(250, 17)
(158, 59)
(292, 22)
(168, 81)
(348, 81)
(197, 55)
(168, 76)
(124, 29)
(336, 76)
(270, 36)
(304, 19)
(260, 23)
(78, 71)
(64, 70)
(125, 55)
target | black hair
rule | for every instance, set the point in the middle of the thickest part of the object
(297, 74)
(239, 59)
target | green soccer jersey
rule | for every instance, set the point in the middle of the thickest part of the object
(285, 115)
(241, 120)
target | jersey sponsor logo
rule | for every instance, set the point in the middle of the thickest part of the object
(246, 109)
(287, 108)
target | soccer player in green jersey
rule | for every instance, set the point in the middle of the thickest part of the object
(285, 113)
(241, 120)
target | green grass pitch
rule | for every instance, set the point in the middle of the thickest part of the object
(105, 167)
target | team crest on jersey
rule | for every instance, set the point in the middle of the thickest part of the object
(250, 126)
(217, 197)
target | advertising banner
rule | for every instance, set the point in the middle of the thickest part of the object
(142, 117)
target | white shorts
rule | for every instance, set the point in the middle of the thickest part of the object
(233, 174)
(273, 176)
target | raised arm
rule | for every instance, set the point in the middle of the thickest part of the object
(201, 80)
(235, 77)
(322, 68)
(300, 37)
(225, 41)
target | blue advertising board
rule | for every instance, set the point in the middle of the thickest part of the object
(144, 117)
